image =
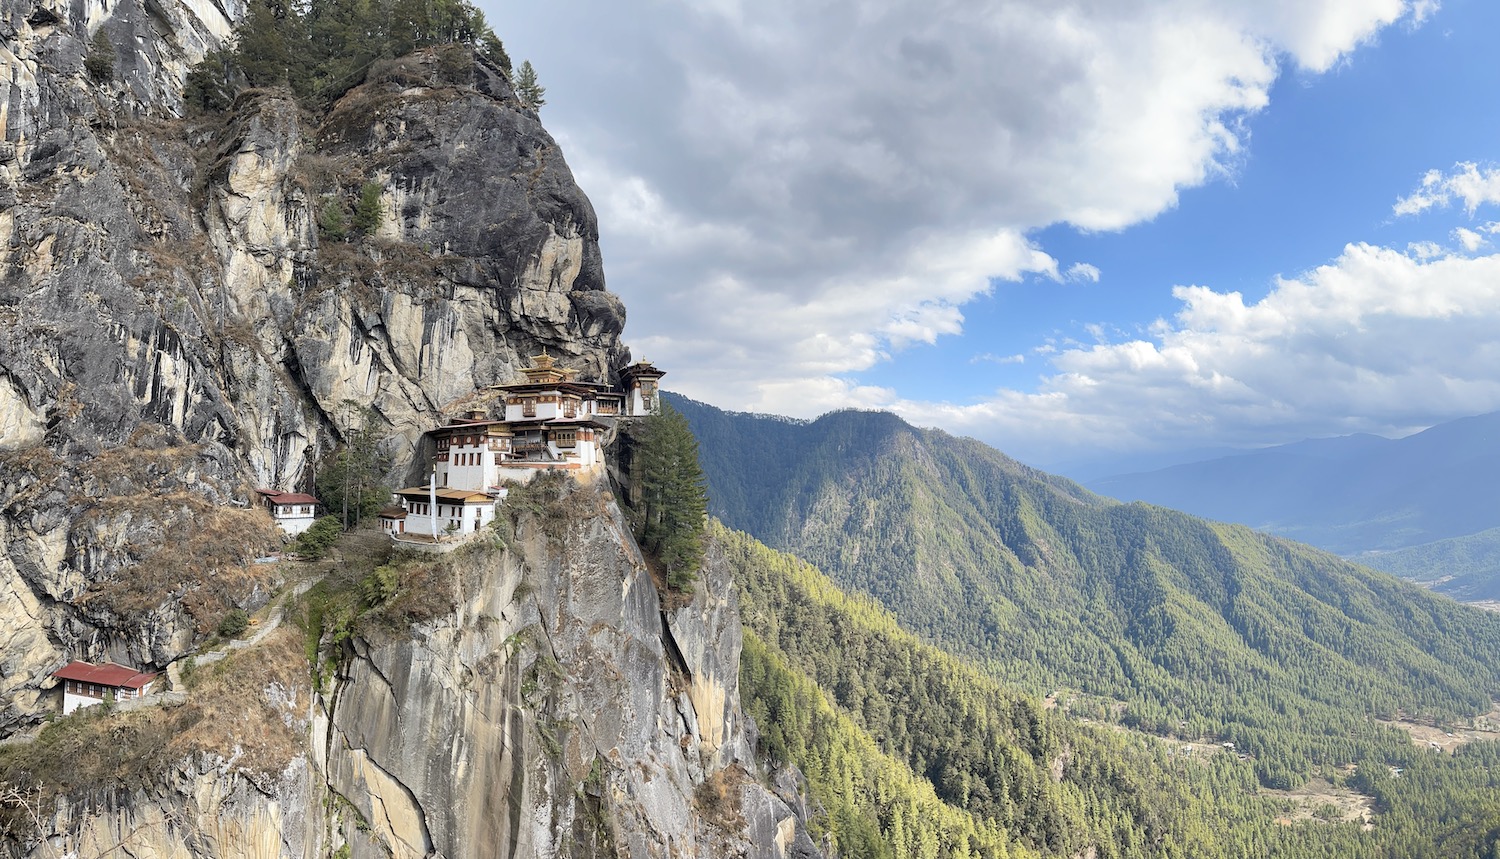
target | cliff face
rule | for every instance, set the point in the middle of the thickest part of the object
(182, 319)
(567, 717)
(176, 330)
(556, 710)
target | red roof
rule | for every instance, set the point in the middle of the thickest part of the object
(276, 496)
(294, 498)
(108, 674)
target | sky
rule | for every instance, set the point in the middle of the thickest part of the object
(1077, 231)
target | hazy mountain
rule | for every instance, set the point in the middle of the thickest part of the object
(1348, 495)
(1466, 568)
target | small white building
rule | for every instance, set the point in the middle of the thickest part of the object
(293, 512)
(642, 389)
(438, 513)
(85, 684)
(393, 520)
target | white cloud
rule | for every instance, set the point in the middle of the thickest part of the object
(992, 358)
(1376, 340)
(793, 191)
(1469, 183)
(1425, 250)
(1471, 240)
(1081, 271)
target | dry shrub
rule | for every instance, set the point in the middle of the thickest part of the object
(717, 798)
(94, 749)
(404, 71)
(424, 591)
(365, 266)
(320, 173)
(253, 702)
(180, 544)
(202, 557)
(27, 474)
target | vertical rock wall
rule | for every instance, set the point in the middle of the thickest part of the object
(169, 305)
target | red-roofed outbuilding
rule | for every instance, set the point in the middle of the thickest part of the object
(85, 683)
(294, 512)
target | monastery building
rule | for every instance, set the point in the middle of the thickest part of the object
(547, 422)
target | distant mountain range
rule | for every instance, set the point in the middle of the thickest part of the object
(1392, 503)
(1466, 568)
(1049, 585)
(1287, 659)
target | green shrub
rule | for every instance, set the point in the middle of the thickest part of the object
(234, 623)
(380, 585)
(315, 542)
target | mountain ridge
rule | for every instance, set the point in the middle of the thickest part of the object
(1349, 494)
(1048, 585)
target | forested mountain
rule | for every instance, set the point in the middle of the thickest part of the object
(1347, 495)
(1466, 568)
(912, 752)
(1200, 629)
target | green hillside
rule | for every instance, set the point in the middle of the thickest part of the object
(911, 752)
(1466, 568)
(1200, 629)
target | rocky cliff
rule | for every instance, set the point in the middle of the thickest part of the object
(180, 322)
(175, 330)
(551, 707)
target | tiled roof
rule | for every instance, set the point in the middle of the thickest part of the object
(276, 496)
(449, 495)
(294, 498)
(108, 674)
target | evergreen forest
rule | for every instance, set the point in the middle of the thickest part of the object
(913, 752)
(323, 48)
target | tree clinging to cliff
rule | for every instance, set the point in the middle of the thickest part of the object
(527, 89)
(673, 502)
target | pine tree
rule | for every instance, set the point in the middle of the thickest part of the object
(493, 50)
(265, 43)
(673, 503)
(367, 212)
(100, 60)
(210, 84)
(349, 478)
(527, 89)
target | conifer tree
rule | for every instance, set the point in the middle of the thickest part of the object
(100, 60)
(266, 42)
(210, 84)
(348, 479)
(673, 503)
(367, 213)
(527, 89)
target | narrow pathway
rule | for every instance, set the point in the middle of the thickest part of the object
(274, 613)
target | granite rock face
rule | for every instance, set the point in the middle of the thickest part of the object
(169, 302)
(558, 710)
(184, 317)
(553, 712)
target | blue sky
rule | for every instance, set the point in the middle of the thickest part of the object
(1024, 221)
